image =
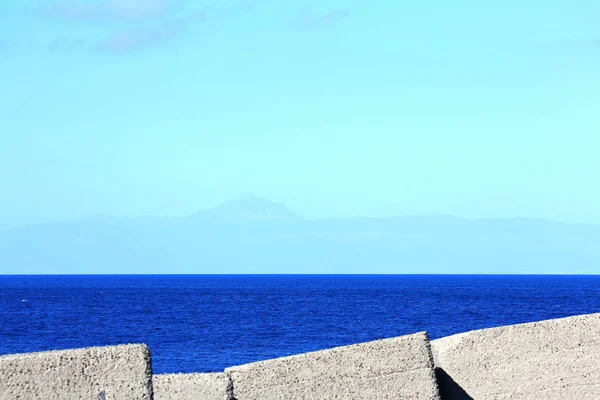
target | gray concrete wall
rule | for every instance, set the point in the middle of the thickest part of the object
(398, 368)
(111, 373)
(554, 359)
(192, 387)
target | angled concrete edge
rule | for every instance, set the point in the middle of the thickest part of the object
(397, 368)
(552, 359)
(113, 373)
(214, 386)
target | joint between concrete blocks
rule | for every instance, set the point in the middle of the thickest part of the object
(230, 392)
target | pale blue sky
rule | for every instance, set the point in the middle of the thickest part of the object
(333, 108)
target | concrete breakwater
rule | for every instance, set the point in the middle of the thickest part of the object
(554, 359)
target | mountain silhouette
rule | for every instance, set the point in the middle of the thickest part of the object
(249, 207)
(254, 235)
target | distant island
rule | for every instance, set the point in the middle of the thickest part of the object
(254, 235)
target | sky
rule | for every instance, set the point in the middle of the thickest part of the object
(158, 107)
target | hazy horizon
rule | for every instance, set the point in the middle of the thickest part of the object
(258, 236)
(175, 217)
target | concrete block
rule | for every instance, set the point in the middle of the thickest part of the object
(98, 373)
(398, 368)
(554, 359)
(192, 387)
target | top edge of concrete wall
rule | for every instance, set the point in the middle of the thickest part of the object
(190, 374)
(418, 335)
(394, 368)
(445, 342)
(132, 346)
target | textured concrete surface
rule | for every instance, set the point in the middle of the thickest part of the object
(554, 359)
(98, 373)
(398, 368)
(192, 387)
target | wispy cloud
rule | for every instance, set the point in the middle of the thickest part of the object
(124, 41)
(133, 37)
(306, 20)
(107, 9)
(241, 7)
(246, 6)
(129, 40)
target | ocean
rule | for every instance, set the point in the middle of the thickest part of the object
(204, 323)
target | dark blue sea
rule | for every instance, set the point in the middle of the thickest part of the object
(201, 323)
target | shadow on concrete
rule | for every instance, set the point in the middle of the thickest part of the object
(450, 390)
